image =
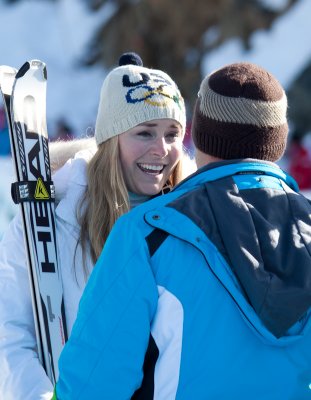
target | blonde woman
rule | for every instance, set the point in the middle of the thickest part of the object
(138, 154)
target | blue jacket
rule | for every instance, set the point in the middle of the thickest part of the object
(203, 293)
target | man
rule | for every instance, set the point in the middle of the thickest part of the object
(215, 276)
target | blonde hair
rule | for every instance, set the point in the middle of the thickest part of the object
(106, 198)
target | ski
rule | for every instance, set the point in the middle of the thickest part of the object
(24, 95)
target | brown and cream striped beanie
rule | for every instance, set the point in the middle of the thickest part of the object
(241, 113)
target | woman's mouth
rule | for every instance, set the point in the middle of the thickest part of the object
(151, 169)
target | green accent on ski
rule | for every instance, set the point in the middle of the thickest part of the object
(54, 395)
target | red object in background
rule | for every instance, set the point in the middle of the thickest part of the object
(300, 165)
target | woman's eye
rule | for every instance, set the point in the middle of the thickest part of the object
(144, 134)
(171, 137)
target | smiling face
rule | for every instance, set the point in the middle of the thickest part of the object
(148, 154)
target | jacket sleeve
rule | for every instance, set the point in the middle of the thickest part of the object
(21, 374)
(104, 356)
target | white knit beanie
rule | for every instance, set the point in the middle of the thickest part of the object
(132, 94)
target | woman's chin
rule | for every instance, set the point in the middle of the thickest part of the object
(150, 190)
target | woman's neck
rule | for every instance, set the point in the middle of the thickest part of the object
(137, 199)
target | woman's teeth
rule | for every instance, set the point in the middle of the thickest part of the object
(150, 168)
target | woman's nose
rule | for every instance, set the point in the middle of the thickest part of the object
(160, 148)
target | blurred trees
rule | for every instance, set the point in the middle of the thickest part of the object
(174, 35)
(299, 99)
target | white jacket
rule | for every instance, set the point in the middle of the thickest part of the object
(21, 374)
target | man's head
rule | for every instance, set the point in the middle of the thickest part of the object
(240, 113)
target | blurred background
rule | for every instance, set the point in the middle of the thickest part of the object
(80, 40)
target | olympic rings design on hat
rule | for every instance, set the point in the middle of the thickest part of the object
(146, 92)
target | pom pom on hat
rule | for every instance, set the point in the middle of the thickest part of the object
(241, 113)
(130, 58)
(132, 94)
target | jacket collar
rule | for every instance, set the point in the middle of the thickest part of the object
(221, 169)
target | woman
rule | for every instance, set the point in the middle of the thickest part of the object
(139, 130)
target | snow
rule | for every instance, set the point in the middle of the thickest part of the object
(59, 32)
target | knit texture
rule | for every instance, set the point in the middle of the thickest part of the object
(133, 94)
(241, 112)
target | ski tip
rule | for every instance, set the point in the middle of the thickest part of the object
(6, 71)
(33, 65)
(23, 69)
(7, 75)
(36, 64)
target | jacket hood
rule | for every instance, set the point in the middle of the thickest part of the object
(267, 254)
(70, 182)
